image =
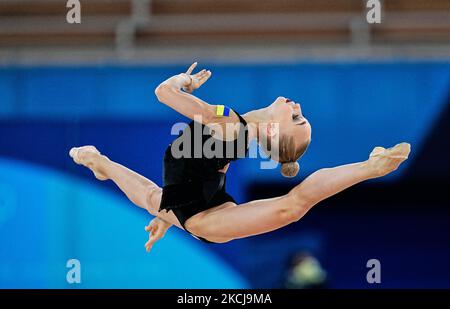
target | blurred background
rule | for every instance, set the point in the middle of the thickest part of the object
(360, 85)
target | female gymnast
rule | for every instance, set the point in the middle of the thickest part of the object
(193, 196)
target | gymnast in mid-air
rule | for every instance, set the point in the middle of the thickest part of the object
(193, 196)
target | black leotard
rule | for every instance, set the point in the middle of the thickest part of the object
(194, 184)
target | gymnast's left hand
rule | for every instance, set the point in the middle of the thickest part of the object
(157, 228)
(197, 79)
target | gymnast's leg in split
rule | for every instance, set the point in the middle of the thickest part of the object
(230, 221)
(262, 216)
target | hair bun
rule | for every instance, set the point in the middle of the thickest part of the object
(290, 169)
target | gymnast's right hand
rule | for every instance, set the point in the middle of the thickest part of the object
(157, 228)
(197, 79)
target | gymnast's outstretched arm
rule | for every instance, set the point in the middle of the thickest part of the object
(170, 93)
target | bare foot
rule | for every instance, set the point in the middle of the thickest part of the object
(384, 161)
(88, 156)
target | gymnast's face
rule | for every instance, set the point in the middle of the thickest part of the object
(292, 122)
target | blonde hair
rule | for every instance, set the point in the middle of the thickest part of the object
(288, 154)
